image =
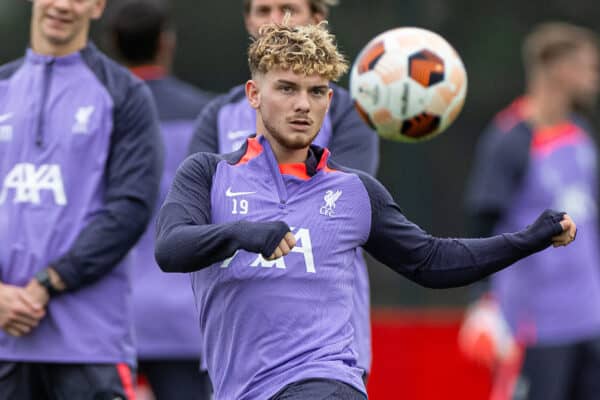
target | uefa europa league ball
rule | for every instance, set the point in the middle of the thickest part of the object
(408, 84)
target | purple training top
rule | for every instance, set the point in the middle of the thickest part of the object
(79, 168)
(553, 297)
(266, 324)
(228, 120)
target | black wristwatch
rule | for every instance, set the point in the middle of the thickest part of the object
(44, 279)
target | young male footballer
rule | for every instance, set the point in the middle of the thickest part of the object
(269, 233)
(227, 121)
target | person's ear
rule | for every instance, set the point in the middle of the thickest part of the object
(98, 9)
(329, 97)
(253, 93)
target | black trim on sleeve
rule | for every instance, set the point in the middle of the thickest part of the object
(353, 144)
(206, 130)
(132, 177)
(205, 136)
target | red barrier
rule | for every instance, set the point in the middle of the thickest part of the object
(416, 357)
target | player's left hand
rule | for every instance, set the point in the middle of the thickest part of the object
(568, 234)
(19, 312)
(37, 292)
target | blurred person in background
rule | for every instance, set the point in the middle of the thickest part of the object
(166, 320)
(229, 119)
(80, 169)
(538, 153)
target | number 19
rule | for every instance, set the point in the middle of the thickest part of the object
(243, 207)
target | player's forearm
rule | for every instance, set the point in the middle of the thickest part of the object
(103, 243)
(182, 246)
(445, 263)
(188, 248)
(459, 262)
(482, 225)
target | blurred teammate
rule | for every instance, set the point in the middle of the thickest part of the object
(165, 315)
(538, 153)
(275, 327)
(79, 166)
(228, 120)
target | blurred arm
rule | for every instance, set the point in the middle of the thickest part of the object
(205, 137)
(501, 161)
(353, 144)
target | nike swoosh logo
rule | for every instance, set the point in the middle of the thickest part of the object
(6, 116)
(229, 193)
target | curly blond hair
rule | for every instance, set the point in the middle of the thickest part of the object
(309, 49)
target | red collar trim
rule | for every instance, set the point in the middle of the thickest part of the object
(295, 169)
(323, 163)
(512, 115)
(252, 151)
(549, 139)
(149, 72)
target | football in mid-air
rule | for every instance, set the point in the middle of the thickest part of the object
(409, 84)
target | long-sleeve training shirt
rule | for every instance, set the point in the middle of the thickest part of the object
(266, 324)
(228, 120)
(79, 167)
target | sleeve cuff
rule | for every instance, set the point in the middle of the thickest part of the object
(65, 267)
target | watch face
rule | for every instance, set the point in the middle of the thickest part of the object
(42, 276)
(44, 279)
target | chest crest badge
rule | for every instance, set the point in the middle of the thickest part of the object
(328, 209)
(82, 120)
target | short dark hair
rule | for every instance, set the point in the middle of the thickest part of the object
(316, 6)
(135, 27)
(552, 41)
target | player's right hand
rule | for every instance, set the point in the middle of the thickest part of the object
(568, 234)
(285, 246)
(271, 239)
(19, 312)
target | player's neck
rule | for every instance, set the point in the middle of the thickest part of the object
(285, 155)
(547, 106)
